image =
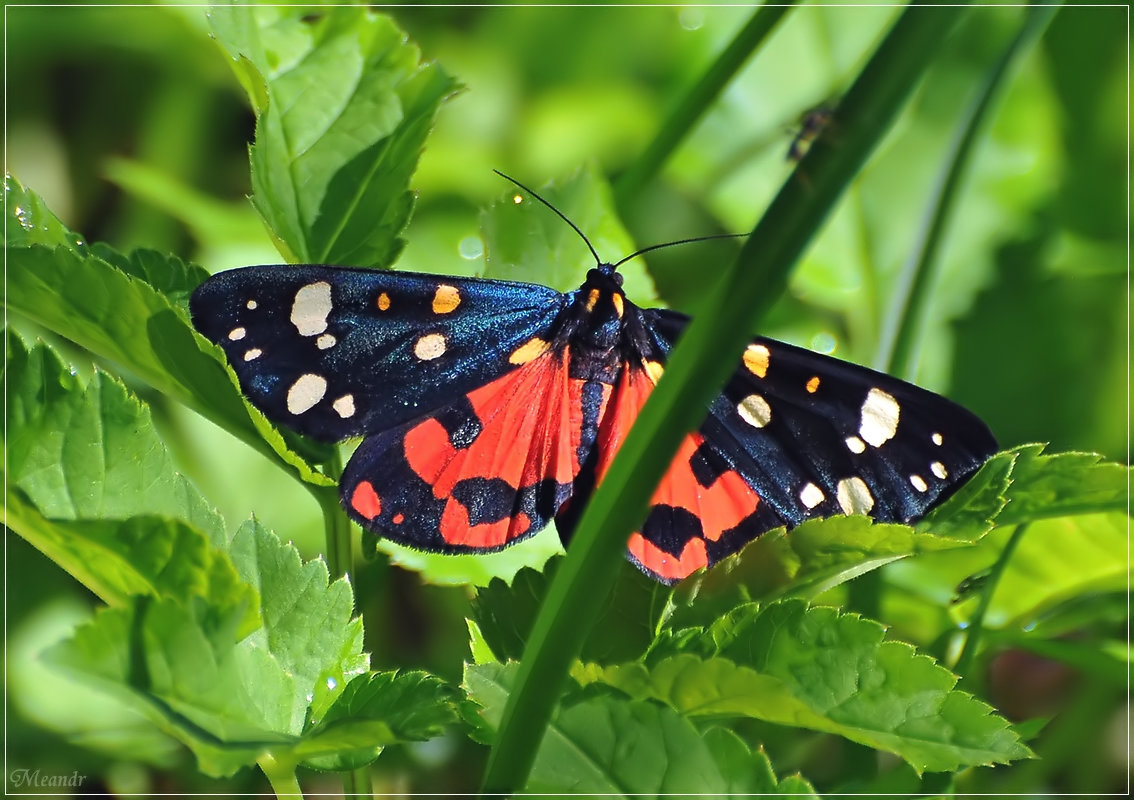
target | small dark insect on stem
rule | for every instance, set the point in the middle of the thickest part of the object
(811, 124)
(594, 252)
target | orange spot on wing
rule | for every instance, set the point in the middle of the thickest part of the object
(365, 500)
(668, 567)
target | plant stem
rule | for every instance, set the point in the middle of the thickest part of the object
(976, 623)
(700, 97)
(281, 775)
(903, 328)
(356, 783)
(694, 375)
(336, 525)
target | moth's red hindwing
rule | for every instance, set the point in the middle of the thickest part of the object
(500, 462)
(701, 506)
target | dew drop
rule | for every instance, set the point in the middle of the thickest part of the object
(823, 343)
(331, 684)
(471, 248)
(691, 18)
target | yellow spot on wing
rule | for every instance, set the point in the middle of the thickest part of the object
(618, 305)
(854, 496)
(754, 410)
(430, 346)
(756, 360)
(813, 384)
(446, 299)
(311, 307)
(306, 392)
(529, 351)
(383, 301)
(879, 418)
(592, 299)
(654, 369)
(811, 495)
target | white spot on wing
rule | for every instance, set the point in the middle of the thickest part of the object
(937, 439)
(253, 354)
(344, 406)
(311, 307)
(938, 469)
(305, 393)
(430, 346)
(811, 495)
(880, 413)
(856, 445)
(326, 341)
(251, 305)
(918, 483)
(754, 410)
(236, 334)
(854, 496)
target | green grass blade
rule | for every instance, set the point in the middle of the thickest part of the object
(694, 373)
(900, 341)
(699, 99)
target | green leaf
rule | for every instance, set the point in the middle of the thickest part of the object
(608, 744)
(80, 713)
(121, 317)
(749, 772)
(1058, 561)
(805, 562)
(377, 710)
(1063, 484)
(1058, 566)
(29, 221)
(90, 484)
(231, 699)
(527, 241)
(89, 453)
(168, 274)
(504, 614)
(974, 508)
(816, 668)
(343, 106)
(880, 693)
(307, 623)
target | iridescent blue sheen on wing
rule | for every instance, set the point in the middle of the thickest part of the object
(335, 352)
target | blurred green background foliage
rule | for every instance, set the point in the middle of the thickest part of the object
(131, 126)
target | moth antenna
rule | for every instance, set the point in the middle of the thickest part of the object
(562, 216)
(637, 253)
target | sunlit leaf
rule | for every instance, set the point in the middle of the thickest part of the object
(817, 668)
(121, 316)
(343, 106)
(230, 698)
(377, 710)
(608, 744)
